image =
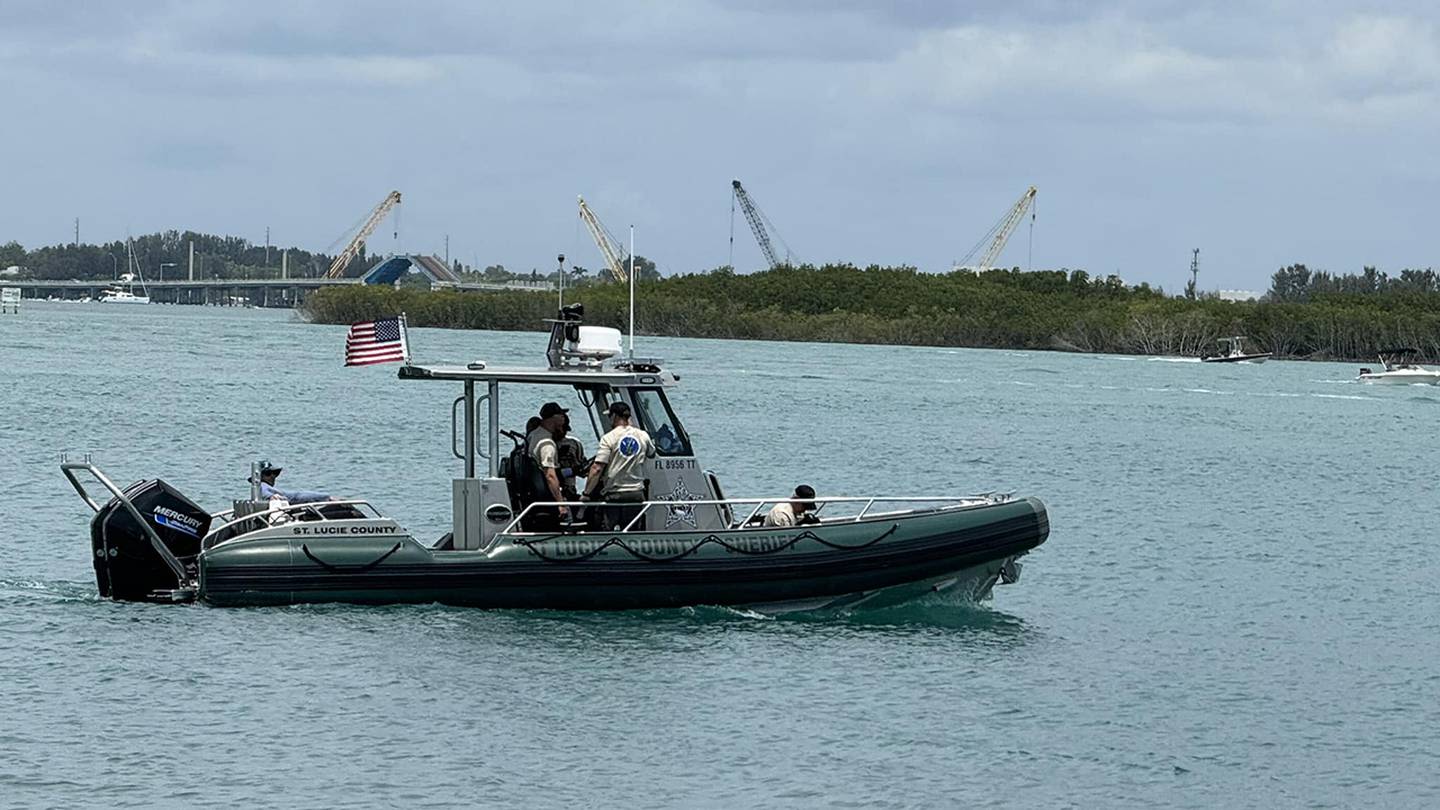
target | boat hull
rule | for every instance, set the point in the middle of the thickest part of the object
(880, 558)
(1239, 358)
(1402, 378)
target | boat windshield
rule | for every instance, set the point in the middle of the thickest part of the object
(659, 421)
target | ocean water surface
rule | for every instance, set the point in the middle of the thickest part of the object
(1236, 606)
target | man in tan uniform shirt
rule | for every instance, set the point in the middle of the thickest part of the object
(788, 513)
(544, 457)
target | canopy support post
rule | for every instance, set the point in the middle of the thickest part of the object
(494, 432)
(470, 429)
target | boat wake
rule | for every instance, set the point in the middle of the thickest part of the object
(950, 610)
(56, 591)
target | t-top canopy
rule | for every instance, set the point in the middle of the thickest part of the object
(621, 377)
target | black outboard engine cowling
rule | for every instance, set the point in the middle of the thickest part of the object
(127, 565)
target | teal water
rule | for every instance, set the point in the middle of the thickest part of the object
(1236, 607)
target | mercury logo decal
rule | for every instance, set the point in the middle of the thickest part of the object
(171, 519)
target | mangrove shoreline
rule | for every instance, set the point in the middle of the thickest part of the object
(1043, 310)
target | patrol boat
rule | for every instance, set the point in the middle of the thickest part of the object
(689, 545)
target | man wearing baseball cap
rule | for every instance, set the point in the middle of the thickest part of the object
(789, 513)
(544, 457)
(617, 474)
(269, 473)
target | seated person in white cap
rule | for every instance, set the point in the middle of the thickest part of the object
(268, 490)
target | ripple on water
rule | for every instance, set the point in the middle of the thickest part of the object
(1219, 567)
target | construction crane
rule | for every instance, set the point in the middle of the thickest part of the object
(758, 222)
(357, 242)
(998, 235)
(615, 257)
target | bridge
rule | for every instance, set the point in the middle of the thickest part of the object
(259, 292)
(262, 292)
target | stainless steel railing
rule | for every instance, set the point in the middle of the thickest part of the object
(867, 504)
(70, 469)
(282, 514)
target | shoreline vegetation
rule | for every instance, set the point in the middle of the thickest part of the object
(1305, 315)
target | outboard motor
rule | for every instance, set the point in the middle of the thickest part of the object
(128, 566)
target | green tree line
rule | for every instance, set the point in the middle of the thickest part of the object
(899, 305)
(215, 257)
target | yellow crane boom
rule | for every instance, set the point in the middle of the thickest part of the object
(603, 240)
(999, 234)
(344, 257)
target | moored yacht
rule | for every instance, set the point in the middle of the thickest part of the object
(686, 544)
(118, 295)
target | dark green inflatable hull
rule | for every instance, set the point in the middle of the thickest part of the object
(827, 563)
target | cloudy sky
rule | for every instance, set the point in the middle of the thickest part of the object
(899, 132)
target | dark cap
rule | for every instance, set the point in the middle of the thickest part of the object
(805, 496)
(265, 469)
(619, 409)
(550, 409)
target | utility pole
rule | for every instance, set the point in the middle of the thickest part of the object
(267, 245)
(192, 259)
(447, 251)
(1193, 289)
(77, 231)
(561, 280)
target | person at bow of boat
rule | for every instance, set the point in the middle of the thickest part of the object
(545, 455)
(796, 511)
(617, 474)
(268, 490)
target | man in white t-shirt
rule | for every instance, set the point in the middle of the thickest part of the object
(617, 475)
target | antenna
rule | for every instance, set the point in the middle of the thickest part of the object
(1194, 291)
(561, 259)
(632, 292)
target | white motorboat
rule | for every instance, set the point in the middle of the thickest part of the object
(1232, 350)
(1398, 370)
(119, 295)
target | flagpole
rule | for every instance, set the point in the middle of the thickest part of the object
(632, 292)
(405, 337)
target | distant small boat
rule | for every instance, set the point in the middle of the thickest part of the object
(1398, 370)
(1232, 350)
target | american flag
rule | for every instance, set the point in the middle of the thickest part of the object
(381, 341)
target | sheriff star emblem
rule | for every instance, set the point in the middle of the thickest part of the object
(678, 513)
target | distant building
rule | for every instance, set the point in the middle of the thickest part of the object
(12, 270)
(1238, 295)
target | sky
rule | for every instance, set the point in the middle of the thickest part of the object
(1263, 133)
